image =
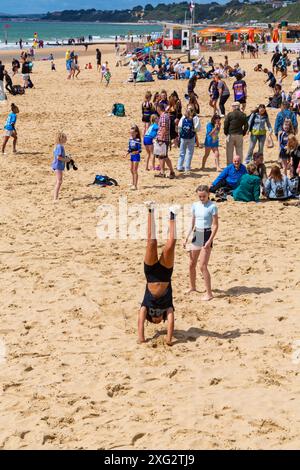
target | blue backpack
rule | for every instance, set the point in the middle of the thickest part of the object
(187, 130)
(118, 110)
(103, 180)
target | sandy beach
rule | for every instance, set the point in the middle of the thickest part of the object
(72, 375)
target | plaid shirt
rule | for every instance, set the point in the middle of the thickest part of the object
(163, 134)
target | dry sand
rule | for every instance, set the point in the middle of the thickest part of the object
(74, 376)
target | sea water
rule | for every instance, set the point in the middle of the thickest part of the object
(58, 31)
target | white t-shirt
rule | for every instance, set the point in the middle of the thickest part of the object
(134, 65)
(204, 214)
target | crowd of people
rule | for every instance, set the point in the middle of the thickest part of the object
(170, 121)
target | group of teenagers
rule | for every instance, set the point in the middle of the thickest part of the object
(166, 124)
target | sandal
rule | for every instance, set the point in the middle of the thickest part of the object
(159, 175)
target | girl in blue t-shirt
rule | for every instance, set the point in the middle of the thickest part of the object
(10, 129)
(211, 142)
(134, 150)
(148, 141)
(59, 161)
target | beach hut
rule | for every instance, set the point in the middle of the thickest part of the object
(177, 37)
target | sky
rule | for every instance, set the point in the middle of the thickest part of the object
(42, 6)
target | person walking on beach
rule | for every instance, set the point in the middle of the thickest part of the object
(76, 67)
(163, 141)
(134, 150)
(188, 126)
(59, 161)
(157, 305)
(149, 136)
(235, 128)
(147, 110)
(258, 123)
(2, 73)
(204, 227)
(240, 91)
(211, 142)
(104, 68)
(10, 129)
(223, 94)
(98, 59)
(9, 83)
(213, 94)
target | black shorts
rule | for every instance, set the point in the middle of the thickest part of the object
(146, 118)
(200, 237)
(283, 155)
(242, 101)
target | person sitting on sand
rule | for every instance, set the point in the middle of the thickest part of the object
(157, 305)
(248, 189)
(58, 164)
(278, 186)
(293, 150)
(260, 168)
(229, 178)
(10, 129)
(204, 228)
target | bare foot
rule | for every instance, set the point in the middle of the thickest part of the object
(169, 342)
(191, 290)
(141, 341)
(206, 298)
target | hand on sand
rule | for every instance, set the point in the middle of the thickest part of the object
(175, 209)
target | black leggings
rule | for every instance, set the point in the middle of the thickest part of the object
(10, 89)
(222, 102)
(221, 184)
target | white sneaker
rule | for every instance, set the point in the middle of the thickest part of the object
(175, 209)
(149, 204)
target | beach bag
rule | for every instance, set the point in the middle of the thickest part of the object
(187, 130)
(118, 110)
(159, 149)
(279, 191)
(18, 89)
(295, 185)
(104, 180)
(270, 143)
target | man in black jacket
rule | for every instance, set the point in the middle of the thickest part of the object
(235, 128)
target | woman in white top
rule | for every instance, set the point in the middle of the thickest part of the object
(204, 228)
(188, 127)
